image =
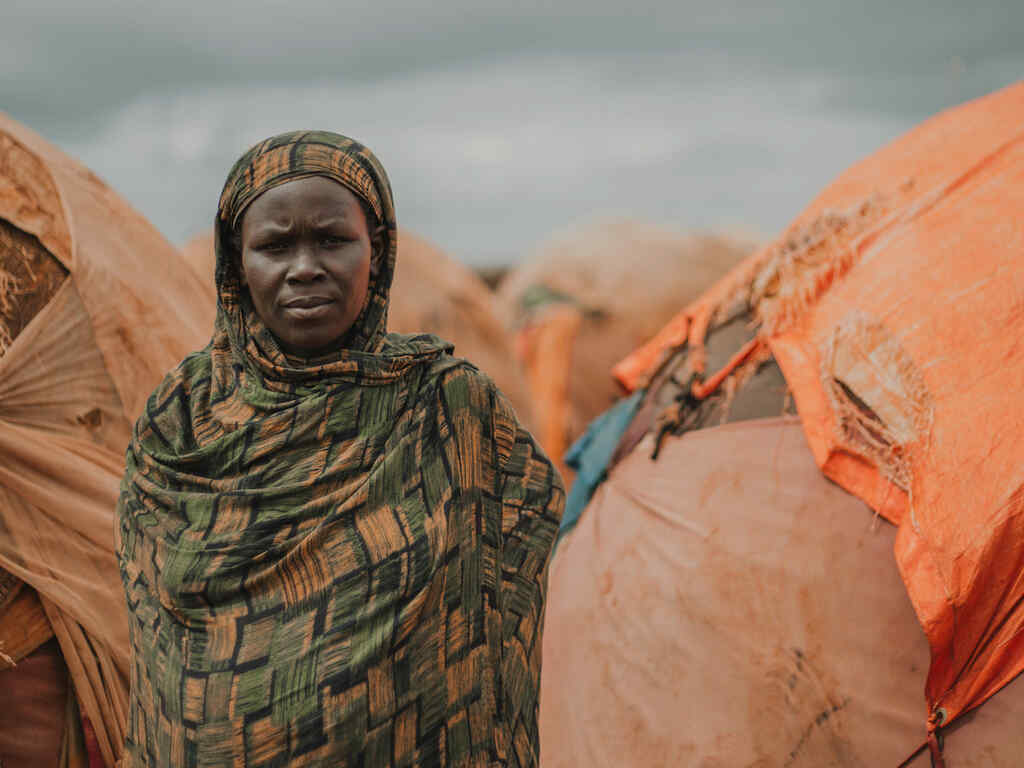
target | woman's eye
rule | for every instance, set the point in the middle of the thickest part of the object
(332, 241)
(273, 245)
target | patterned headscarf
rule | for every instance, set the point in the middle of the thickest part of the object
(335, 561)
(297, 155)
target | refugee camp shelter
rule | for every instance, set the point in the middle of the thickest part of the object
(95, 306)
(433, 293)
(728, 596)
(586, 298)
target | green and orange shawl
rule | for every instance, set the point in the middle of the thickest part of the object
(339, 561)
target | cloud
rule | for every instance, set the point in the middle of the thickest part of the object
(502, 122)
(78, 59)
(488, 161)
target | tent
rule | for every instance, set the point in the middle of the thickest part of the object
(892, 310)
(432, 293)
(93, 311)
(199, 254)
(586, 298)
(727, 605)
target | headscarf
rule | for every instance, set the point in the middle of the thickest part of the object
(333, 561)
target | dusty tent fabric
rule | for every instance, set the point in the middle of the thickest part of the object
(587, 297)
(893, 306)
(332, 561)
(71, 381)
(727, 605)
(431, 293)
(199, 254)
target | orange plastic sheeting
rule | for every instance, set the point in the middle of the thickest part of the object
(71, 383)
(726, 605)
(906, 366)
(917, 166)
(924, 330)
(545, 348)
(987, 737)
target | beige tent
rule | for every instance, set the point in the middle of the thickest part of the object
(198, 254)
(727, 605)
(432, 293)
(588, 297)
(94, 309)
(721, 602)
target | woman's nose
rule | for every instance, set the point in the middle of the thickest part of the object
(305, 264)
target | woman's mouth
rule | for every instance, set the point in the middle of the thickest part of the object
(307, 307)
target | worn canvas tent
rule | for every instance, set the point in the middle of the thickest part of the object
(199, 254)
(590, 295)
(726, 605)
(95, 309)
(432, 293)
(892, 307)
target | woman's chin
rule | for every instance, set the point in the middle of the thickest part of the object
(311, 344)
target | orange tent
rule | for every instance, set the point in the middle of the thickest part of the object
(432, 293)
(894, 306)
(94, 309)
(587, 297)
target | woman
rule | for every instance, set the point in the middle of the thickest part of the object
(333, 540)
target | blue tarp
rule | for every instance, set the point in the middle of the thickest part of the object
(590, 454)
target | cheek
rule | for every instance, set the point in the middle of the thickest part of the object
(248, 267)
(256, 275)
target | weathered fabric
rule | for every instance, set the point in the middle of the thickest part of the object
(338, 561)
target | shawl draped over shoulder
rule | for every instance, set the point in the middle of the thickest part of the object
(337, 561)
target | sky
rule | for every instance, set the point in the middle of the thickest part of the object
(501, 124)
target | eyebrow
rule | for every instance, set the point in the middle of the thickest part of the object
(272, 228)
(331, 221)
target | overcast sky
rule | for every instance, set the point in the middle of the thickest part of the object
(502, 123)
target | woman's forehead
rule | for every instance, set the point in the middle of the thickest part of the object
(314, 196)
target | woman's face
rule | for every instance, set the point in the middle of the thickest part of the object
(306, 254)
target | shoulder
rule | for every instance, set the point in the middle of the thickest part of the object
(186, 375)
(472, 402)
(465, 385)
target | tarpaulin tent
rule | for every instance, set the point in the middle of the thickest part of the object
(726, 605)
(432, 293)
(590, 295)
(893, 307)
(199, 254)
(95, 309)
